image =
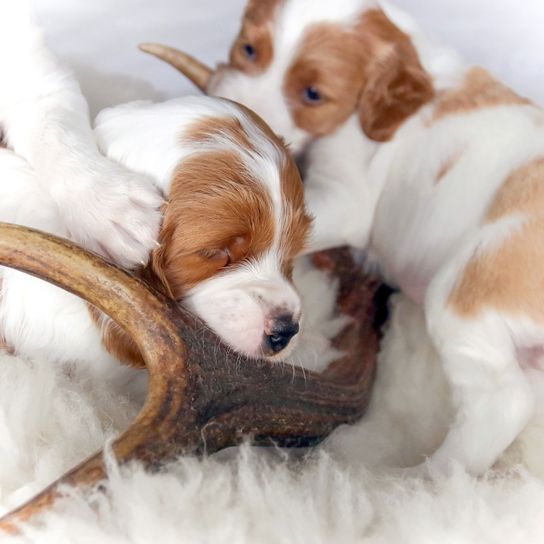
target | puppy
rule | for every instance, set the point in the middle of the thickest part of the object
(433, 167)
(235, 218)
(233, 221)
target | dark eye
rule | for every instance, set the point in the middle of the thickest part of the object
(311, 95)
(249, 51)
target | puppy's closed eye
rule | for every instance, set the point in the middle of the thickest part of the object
(191, 267)
(219, 257)
(235, 251)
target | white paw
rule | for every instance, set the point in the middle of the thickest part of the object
(111, 211)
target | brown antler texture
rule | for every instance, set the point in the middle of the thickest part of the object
(203, 397)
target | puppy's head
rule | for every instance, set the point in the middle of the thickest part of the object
(307, 66)
(234, 222)
(234, 219)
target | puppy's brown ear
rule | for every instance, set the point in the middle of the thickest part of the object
(116, 340)
(396, 87)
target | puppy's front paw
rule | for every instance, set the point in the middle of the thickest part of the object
(114, 212)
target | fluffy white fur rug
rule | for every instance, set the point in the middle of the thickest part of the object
(346, 491)
(343, 492)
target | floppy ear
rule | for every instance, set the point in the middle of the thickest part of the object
(115, 338)
(396, 87)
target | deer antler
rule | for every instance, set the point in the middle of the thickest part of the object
(201, 395)
(196, 71)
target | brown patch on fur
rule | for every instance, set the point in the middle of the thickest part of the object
(510, 277)
(396, 84)
(522, 192)
(210, 128)
(116, 341)
(261, 12)
(297, 223)
(215, 208)
(214, 201)
(256, 31)
(217, 216)
(330, 59)
(479, 90)
(445, 169)
(373, 69)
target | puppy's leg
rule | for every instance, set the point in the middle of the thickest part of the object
(37, 319)
(44, 118)
(26, 313)
(482, 311)
(23, 200)
(492, 398)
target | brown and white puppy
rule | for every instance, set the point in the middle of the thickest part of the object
(434, 168)
(233, 221)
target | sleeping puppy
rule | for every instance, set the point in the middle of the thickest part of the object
(235, 217)
(232, 224)
(435, 168)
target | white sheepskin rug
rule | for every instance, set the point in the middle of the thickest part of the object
(344, 492)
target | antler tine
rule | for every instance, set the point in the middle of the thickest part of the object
(189, 66)
(145, 315)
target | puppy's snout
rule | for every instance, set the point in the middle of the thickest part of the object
(279, 334)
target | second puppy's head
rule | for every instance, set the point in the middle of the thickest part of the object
(307, 66)
(234, 219)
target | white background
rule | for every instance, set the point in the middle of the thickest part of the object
(98, 39)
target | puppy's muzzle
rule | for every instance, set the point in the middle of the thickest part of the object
(279, 334)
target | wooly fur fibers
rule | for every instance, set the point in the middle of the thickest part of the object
(346, 491)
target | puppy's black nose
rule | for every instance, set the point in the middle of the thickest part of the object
(281, 332)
